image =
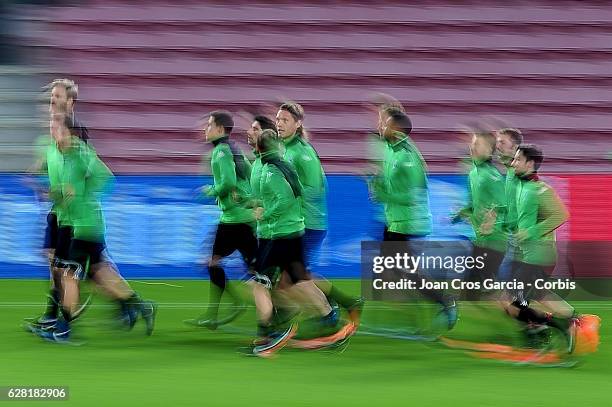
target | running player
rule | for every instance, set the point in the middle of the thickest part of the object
(303, 157)
(281, 227)
(77, 177)
(540, 212)
(402, 188)
(259, 124)
(376, 153)
(231, 175)
(63, 96)
(508, 140)
(485, 211)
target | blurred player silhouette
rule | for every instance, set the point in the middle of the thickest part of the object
(77, 179)
(231, 188)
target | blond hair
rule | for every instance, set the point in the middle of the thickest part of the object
(72, 89)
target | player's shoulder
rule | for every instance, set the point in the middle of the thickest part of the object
(44, 143)
(406, 158)
(83, 148)
(221, 150)
(492, 174)
(269, 167)
(543, 188)
(537, 188)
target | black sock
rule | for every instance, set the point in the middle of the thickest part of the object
(217, 286)
(527, 315)
(133, 302)
(264, 329)
(560, 323)
(53, 300)
(217, 276)
(66, 315)
(345, 301)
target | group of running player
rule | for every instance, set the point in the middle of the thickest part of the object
(274, 212)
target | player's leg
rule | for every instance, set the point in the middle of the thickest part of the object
(303, 288)
(71, 272)
(266, 276)
(223, 246)
(562, 317)
(447, 315)
(245, 242)
(50, 314)
(492, 260)
(313, 241)
(105, 274)
(271, 336)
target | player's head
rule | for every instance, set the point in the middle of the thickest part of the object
(267, 142)
(384, 113)
(289, 120)
(383, 101)
(527, 159)
(259, 124)
(508, 139)
(396, 125)
(220, 124)
(64, 93)
(383, 104)
(482, 145)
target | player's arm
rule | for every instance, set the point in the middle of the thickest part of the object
(98, 176)
(528, 216)
(494, 196)
(277, 195)
(39, 167)
(408, 172)
(310, 174)
(466, 212)
(225, 177)
(554, 210)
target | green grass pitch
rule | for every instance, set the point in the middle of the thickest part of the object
(182, 366)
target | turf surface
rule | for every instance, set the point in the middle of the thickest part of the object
(180, 366)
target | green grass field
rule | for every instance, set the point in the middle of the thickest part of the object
(181, 366)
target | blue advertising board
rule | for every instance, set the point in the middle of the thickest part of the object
(157, 228)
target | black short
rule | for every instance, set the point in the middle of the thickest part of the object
(235, 236)
(63, 241)
(51, 231)
(492, 260)
(278, 255)
(404, 243)
(84, 254)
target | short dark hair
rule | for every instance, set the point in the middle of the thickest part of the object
(268, 140)
(265, 122)
(223, 118)
(400, 120)
(532, 153)
(390, 110)
(514, 134)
